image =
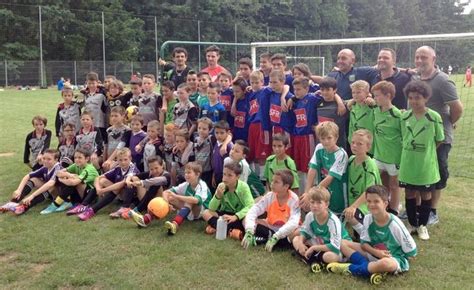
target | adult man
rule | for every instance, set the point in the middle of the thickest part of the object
(388, 72)
(178, 71)
(445, 101)
(347, 73)
(213, 68)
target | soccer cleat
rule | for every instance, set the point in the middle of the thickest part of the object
(78, 209)
(210, 230)
(64, 206)
(236, 234)
(260, 240)
(125, 212)
(423, 233)
(19, 210)
(377, 278)
(117, 214)
(87, 214)
(171, 227)
(50, 209)
(140, 220)
(433, 219)
(9, 206)
(339, 268)
(317, 267)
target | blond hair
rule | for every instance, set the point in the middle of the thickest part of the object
(360, 85)
(319, 193)
(326, 129)
(365, 134)
(124, 151)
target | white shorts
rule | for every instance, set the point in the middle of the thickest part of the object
(391, 169)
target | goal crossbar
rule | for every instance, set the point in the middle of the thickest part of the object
(361, 40)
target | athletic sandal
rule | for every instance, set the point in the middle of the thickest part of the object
(125, 212)
(19, 210)
(117, 214)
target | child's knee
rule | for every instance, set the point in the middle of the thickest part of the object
(330, 257)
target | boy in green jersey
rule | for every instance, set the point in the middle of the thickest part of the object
(388, 140)
(328, 164)
(320, 236)
(280, 160)
(362, 172)
(386, 245)
(362, 114)
(422, 132)
(232, 201)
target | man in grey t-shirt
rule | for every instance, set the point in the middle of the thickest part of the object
(445, 101)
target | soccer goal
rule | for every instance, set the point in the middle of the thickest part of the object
(454, 52)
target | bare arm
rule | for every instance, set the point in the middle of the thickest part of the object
(455, 110)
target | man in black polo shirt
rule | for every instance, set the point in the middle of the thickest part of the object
(387, 71)
(177, 71)
(347, 73)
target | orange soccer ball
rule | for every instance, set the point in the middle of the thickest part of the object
(159, 207)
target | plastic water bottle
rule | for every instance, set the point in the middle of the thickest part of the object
(221, 233)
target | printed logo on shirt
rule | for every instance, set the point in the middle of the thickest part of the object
(275, 113)
(301, 119)
(226, 102)
(253, 107)
(239, 120)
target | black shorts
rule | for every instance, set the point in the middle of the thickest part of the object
(442, 152)
(421, 188)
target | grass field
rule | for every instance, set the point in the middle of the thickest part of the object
(56, 251)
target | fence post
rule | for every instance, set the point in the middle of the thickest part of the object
(268, 37)
(236, 52)
(156, 49)
(41, 47)
(75, 73)
(199, 46)
(6, 74)
(103, 43)
(295, 49)
(131, 69)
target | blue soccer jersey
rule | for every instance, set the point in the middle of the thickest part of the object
(226, 98)
(215, 112)
(259, 108)
(306, 115)
(278, 118)
(241, 123)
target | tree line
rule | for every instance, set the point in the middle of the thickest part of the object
(72, 30)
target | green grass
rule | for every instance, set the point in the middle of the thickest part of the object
(56, 251)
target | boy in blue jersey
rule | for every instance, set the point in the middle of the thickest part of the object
(245, 69)
(386, 245)
(305, 113)
(213, 109)
(278, 61)
(227, 95)
(265, 67)
(240, 109)
(281, 121)
(259, 123)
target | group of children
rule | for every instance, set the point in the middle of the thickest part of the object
(192, 145)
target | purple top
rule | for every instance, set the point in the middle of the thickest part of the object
(218, 160)
(117, 174)
(44, 174)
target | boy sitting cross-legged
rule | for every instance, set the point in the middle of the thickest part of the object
(386, 245)
(283, 215)
(232, 201)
